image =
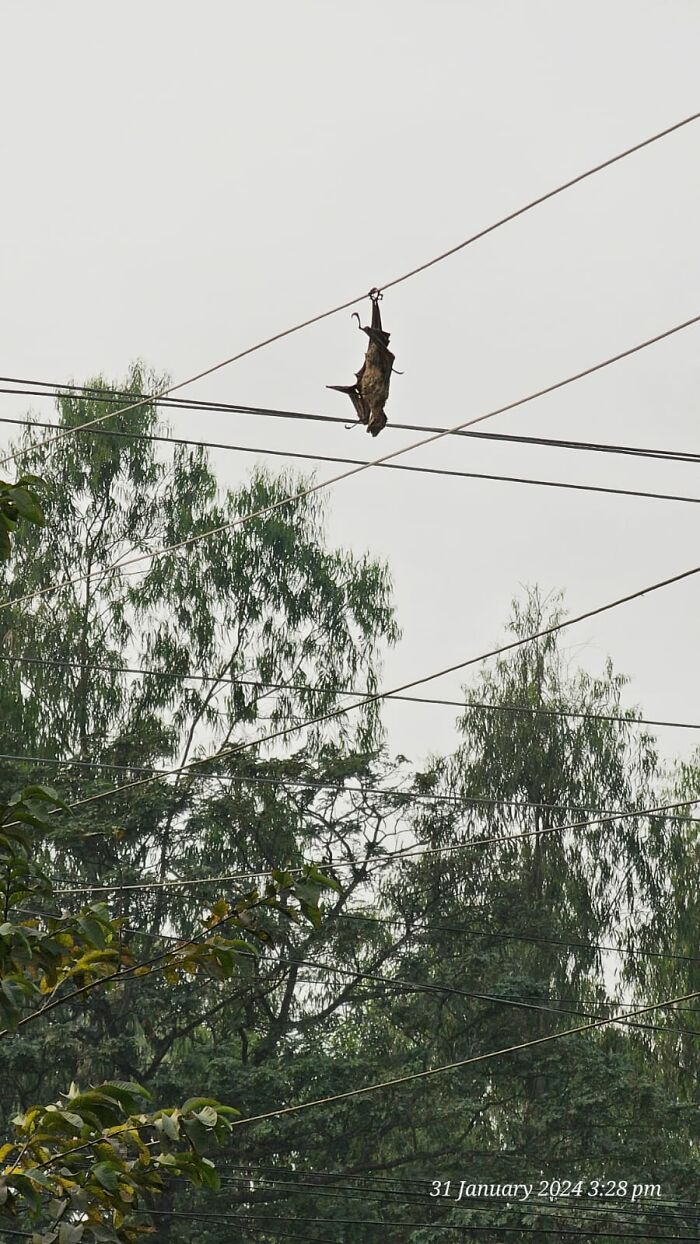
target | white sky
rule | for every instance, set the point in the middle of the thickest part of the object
(182, 180)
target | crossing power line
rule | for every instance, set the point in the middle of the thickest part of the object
(413, 1077)
(607, 490)
(434, 988)
(406, 796)
(508, 935)
(529, 710)
(311, 489)
(644, 494)
(490, 934)
(269, 1179)
(598, 1022)
(470, 1229)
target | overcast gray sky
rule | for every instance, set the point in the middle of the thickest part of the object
(183, 179)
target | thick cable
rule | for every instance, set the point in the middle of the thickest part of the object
(319, 485)
(164, 392)
(80, 392)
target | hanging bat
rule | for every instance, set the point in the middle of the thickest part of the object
(370, 392)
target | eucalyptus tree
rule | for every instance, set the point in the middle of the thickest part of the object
(673, 923)
(497, 936)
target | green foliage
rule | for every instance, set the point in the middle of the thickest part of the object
(80, 1167)
(261, 615)
(18, 501)
(37, 957)
(84, 1164)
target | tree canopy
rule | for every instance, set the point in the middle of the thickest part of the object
(192, 660)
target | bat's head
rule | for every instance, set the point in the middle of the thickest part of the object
(377, 423)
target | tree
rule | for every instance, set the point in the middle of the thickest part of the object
(80, 1166)
(269, 605)
(521, 921)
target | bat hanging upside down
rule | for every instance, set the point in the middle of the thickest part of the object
(369, 394)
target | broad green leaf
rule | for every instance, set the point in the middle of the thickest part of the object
(207, 1115)
(26, 504)
(197, 1103)
(168, 1126)
(107, 1176)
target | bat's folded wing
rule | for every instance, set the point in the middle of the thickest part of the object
(358, 401)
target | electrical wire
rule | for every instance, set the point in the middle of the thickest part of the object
(417, 1075)
(375, 697)
(433, 988)
(644, 1214)
(377, 860)
(317, 486)
(658, 1208)
(432, 1226)
(657, 1211)
(80, 392)
(257, 1170)
(442, 990)
(510, 936)
(551, 1213)
(396, 466)
(414, 1076)
(292, 1235)
(470, 931)
(169, 389)
(526, 709)
(408, 796)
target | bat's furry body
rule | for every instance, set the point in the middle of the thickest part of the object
(371, 391)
